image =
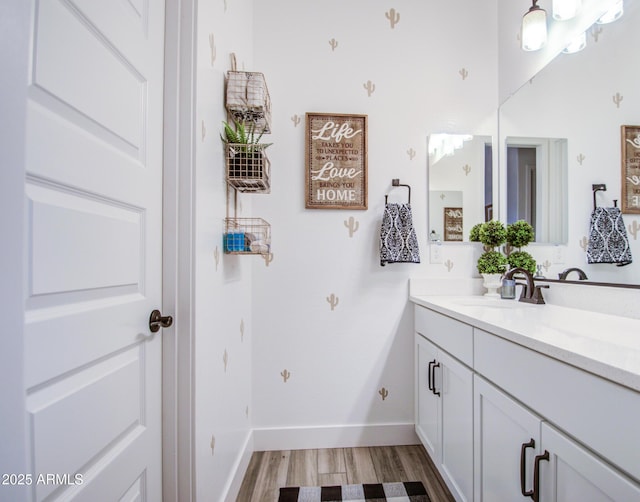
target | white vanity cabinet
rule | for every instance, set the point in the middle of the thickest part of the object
(505, 422)
(444, 400)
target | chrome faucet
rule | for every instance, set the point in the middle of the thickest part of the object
(581, 275)
(531, 293)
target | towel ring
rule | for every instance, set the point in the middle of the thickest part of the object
(396, 183)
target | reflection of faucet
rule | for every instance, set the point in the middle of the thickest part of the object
(581, 275)
(530, 292)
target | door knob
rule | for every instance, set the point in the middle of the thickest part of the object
(157, 321)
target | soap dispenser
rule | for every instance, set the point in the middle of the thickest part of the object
(508, 289)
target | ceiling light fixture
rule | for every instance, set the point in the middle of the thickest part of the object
(534, 28)
(565, 9)
(612, 14)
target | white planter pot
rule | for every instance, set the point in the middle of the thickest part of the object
(492, 282)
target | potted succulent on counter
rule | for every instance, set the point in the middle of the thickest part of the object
(519, 234)
(491, 264)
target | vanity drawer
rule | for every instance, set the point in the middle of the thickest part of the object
(601, 414)
(453, 336)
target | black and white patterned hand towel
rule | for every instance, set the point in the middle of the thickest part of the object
(608, 242)
(398, 242)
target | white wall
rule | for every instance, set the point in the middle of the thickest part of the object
(340, 360)
(223, 308)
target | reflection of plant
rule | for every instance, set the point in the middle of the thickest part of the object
(474, 233)
(522, 259)
(519, 234)
(492, 233)
(492, 262)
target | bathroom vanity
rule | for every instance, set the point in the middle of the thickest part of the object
(514, 400)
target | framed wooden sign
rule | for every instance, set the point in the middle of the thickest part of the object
(335, 161)
(630, 169)
(453, 224)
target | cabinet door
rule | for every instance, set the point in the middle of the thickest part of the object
(507, 439)
(428, 409)
(573, 473)
(454, 381)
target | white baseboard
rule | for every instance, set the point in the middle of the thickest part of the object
(240, 468)
(336, 436)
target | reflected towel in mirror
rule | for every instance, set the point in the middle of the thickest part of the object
(608, 241)
(398, 242)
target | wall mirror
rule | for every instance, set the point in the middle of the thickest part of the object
(460, 174)
(579, 102)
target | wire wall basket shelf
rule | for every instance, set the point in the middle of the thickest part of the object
(248, 167)
(247, 99)
(246, 236)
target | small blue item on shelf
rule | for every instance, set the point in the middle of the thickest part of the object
(234, 242)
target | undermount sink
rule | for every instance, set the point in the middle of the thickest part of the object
(489, 302)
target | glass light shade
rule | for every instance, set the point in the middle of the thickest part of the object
(576, 45)
(534, 29)
(565, 9)
(614, 13)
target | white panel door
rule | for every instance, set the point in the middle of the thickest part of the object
(94, 210)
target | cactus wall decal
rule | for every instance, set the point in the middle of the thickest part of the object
(213, 445)
(352, 224)
(546, 265)
(595, 32)
(333, 300)
(225, 359)
(333, 43)
(464, 73)
(584, 242)
(393, 17)
(204, 131)
(370, 87)
(296, 120)
(617, 99)
(384, 393)
(580, 158)
(411, 153)
(467, 169)
(285, 375)
(242, 330)
(268, 258)
(443, 196)
(633, 229)
(246, 411)
(449, 265)
(212, 44)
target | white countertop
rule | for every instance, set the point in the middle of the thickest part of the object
(602, 344)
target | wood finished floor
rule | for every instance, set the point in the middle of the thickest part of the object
(268, 471)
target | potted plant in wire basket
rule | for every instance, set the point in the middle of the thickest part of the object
(247, 163)
(491, 264)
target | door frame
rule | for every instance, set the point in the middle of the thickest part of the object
(178, 285)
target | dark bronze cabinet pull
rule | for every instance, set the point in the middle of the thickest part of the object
(523, 467)
(433, 368)
(536, 475)
(430, 383)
